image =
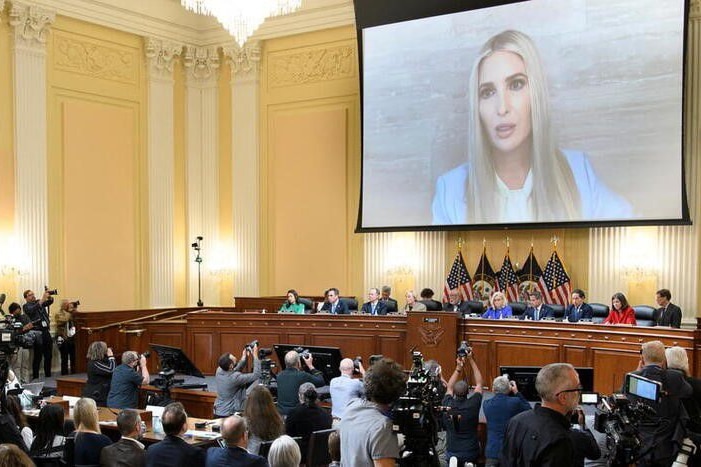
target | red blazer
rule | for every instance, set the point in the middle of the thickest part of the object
(625, 316)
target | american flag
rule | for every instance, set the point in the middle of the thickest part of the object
(507, 280)
(484, 281)
(459, 279)
(531, 272)
(557, 281)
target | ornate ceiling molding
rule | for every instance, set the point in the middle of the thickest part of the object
(201, 62)
(243, 60)
(161, 56)
(166, 19)
(31, 24)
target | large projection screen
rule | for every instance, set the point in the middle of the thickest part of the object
(530, 114)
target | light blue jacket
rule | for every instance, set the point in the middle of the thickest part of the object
(598, 201)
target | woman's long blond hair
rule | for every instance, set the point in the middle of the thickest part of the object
(85, 415)
(555, 194)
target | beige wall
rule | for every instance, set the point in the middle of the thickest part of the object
(96, 160)
(310, 171)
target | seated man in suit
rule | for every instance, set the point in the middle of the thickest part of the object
(234, 430)
(536, 309)
(390, 303)
(374, 306)
(128, 450)
(334, 304)
(668, 314)
(455, 303)
(427, 299)
(174, 451)
(578, 309)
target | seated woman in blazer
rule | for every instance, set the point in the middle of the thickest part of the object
(499, 307)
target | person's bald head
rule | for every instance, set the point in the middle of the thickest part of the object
(346, 366)
(292, 359)
(234, 430)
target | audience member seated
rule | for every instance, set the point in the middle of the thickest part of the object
(89, 441)
(334, 304)
(101, 365)
(128, 451)
(174, 451)
(668, 314)
(292, 304)
(390, 303)
(462, 417)
(14, 408)
(232, 383)
(335, 449)
(578, 310)
(621, 312)
(306, 418)
(264, 421)
(542, 436)
(344, 388)
(498, 410)
(499, 307)
(285, 452)
(537, 310)
(374, 306)
(366, 431)
(662, 436)
(411, 303)
(455, 303)
(234, 431)
(291, 378)
(427, 299)
(49, 440)
(678, 361)
(126, 380)
(13, 456)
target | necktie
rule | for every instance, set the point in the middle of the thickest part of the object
(576, 314)
(537, 314)
(374, 309)
(333, 309)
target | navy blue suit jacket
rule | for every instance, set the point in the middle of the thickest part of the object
(380, 308)
(545, 312)
(173, 451)
(218, 457)
(341, 307)
(585, 312)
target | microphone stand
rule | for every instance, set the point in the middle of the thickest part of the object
(197, 246)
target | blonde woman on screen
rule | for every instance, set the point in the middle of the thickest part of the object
(515, 171)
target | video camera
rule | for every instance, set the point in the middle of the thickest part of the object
(12, 336)
(621, 417)
(415, 414)
(51, 292)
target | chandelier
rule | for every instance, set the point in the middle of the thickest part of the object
(242, 17)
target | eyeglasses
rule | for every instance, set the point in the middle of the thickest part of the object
(577, 389)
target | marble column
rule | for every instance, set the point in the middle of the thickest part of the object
(161, 56)
(30, 31)
(245, 105)
(202, 166)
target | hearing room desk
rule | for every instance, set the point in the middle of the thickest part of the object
(205, 334)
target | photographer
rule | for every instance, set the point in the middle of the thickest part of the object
(662, 436)
(542, 436)
(498, 410)
(462, 417)
(126, 379)
(232, 383)
(366, 429)
(38, 312)
(291, 378)
(65, 335)
(21, 361)
(344, 388)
